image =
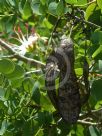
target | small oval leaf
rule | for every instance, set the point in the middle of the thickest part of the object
(17, 73)
(52, 8)
(6, 66)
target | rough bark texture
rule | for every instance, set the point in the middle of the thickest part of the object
(60, 64)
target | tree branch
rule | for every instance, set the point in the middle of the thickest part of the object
(21, 57)
(87, 22)
(95, 114)
(82, 20)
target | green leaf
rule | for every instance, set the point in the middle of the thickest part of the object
(27, 129)
(16, 83)
(11, 2)
(17, 73)
(97, 37)
(6, 66)
(71, 1)
(94, 131)
(60, 8)
(96, 90)
(8, 92)
(46, 103)
(1, 79)
(36, 92)
(44, 117)
(99, 50)
(21, 6)
(52, 19)
(99, 2)
(90, 10)
(35, 7)
(10, 23)
(79, 71)
(81, 2)
(39, 132)
(28, 84)
(47, 24)
(100, 66)
(80, 130)
(42, 9)
(43, 2)
(93, 14)
(98, 105)
(2, 94)
(52, 8)
(27, 12)
(3, 127)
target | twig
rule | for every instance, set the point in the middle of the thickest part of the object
(54, 29)
(82, 20)
(4, 15)
(87, 22)
(9, 56)
(98, 110)
(92, 65)
(91, 113)
(33, 71)
(21, 57)
(55, 26)
(88, 123)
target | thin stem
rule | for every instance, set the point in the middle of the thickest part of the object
(33, 72)
(88, 123)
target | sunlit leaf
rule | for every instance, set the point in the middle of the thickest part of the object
(80, 130)
(79, 71)
(71, 1)
(99, 2)
(99, 50)
(81, 2)
(90, 10)
(27, 12)
(93, 14)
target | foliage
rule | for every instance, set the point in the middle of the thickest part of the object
(25, 108)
